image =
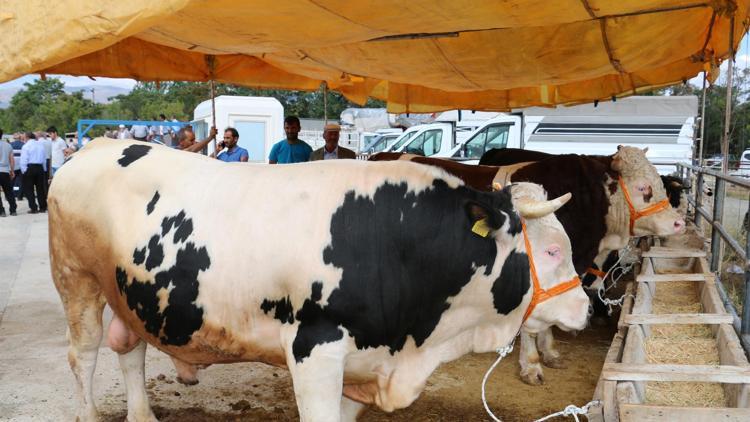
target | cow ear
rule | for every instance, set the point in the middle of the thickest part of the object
(482, 217)
(645, 150)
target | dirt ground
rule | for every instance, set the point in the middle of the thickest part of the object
(36, 383)
(453, 393)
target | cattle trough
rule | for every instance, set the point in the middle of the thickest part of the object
(706, 375)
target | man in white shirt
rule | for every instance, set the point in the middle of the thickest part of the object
(140, 132)
(34, 167)
(123, 133)
(58, 150)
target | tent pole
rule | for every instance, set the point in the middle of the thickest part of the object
(703, 123)
(325, 103)
(213, 109)
(728, 109)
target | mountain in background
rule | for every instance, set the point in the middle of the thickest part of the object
(102, 94)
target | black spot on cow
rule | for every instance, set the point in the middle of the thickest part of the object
(648, 195)
(508, 156)
(674, 187)
(132, 153)
(152, 204)
(513, 283)
(139, 256)
(155, 253)
(181, 317)
(184, 230)
(282, 308)
(316, 326)
(397, 284)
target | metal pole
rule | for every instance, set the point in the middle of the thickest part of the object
(728, 109)
(717, 217)
(703, 123)
(698, 197)
(213, 110)
(745, 323)
(325, 103)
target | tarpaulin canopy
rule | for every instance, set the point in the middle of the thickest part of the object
(419, 55)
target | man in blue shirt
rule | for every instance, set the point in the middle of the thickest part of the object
(233, 152)
(292, 149)
(34, 168)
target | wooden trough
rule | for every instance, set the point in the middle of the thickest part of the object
(629, 377)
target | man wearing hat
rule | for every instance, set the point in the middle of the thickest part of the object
(331, 150)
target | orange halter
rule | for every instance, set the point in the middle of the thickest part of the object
(634, 215)
(540, 295)
(594, 271)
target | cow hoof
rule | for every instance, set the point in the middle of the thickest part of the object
(556, 363)
(187, 381)
(533, 376)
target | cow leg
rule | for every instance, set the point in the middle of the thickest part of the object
(351, 410)
(318, 382)
(132, 366)
(528, 357)
(545, 343)
(83, 303)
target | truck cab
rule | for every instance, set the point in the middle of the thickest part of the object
(501, 132)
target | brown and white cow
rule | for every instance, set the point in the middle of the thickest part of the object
(597, 219)
(360, 278)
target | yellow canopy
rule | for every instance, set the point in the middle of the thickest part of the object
(419, 55)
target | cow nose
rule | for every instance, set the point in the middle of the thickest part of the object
(679, 225)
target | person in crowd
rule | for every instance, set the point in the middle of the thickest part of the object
(123, 133)
(7, 174)
(186, 140)
(228, 150)
(292, 149)
(33, 167)
(331, 150)
(58, 150)
(19, 139)
(139, 132)
(47, 142)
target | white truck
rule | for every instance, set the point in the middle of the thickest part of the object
(663, 124)
(259, 121)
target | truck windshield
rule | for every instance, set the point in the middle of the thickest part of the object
(404, 139)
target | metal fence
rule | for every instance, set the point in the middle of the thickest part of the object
(712, 216)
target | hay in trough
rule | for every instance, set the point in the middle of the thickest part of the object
(688, 344)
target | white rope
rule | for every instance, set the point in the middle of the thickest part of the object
(571, 410)
(623, 270)
(502, 352)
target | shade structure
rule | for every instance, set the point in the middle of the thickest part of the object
(418, 55)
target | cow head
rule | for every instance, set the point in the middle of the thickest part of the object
(552, 257)
(645, 189)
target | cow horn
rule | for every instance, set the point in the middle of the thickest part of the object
(529, 208)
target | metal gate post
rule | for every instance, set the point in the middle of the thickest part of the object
(718, 217)
(745, 323)
(698, 197)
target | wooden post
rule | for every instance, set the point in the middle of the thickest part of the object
(703, 123)
(728, 108)
(325, 103)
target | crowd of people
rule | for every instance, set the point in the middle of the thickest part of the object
(28, 163)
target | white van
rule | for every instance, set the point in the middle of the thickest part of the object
(259, 121)
(663, 124)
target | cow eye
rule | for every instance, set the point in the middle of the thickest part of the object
(553, 251)
(642, 188)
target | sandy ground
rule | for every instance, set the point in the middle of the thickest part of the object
(36, 383)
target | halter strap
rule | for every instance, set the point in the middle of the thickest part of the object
(595, 272)
(634, 215)
(540, 295)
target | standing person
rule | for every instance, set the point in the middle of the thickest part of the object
(7, 174)
(18, 142)
(292, 149)
(331, 150)
(140, 132)
(33, 167)
(58, 150)
(233, 152)
(186, 140)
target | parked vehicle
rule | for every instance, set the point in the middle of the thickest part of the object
(663, 124)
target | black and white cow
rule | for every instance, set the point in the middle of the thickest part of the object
(360, 278)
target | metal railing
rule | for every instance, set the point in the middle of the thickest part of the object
(721, 236)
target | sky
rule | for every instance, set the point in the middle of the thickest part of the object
(742, 60)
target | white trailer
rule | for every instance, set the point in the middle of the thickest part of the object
(259, 121)
(663, 124)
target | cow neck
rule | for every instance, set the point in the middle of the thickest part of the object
(539, 295)
(635, 215)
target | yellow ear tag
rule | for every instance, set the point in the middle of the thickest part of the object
(481, 228)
